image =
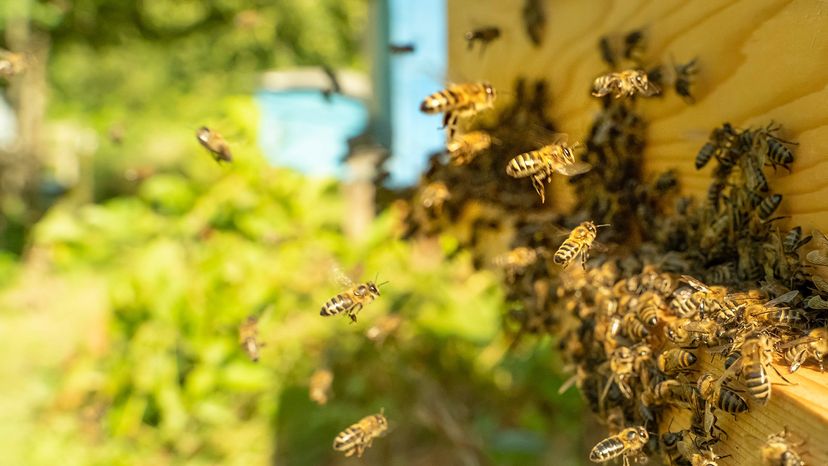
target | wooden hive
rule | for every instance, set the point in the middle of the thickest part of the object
(758, 61)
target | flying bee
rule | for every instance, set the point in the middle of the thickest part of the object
(624, 83)
(352, 300)
(675, 360)
(684, 80)
(359, 436)
(459, 101)
(383, 328)
(12, 64)
(484, 36)
(434, 195)
(719, 395)
(579, 242)
(465, 147)
(518, 259)
(534, 20)
(542, 163)
(779, 451)
(214, 143)
(812, 346)
(320, 386)
(399, 49)
(629, 443)
(248, 332)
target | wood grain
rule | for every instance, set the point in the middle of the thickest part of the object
(760, 60)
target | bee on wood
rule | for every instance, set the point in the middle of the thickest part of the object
(248, 334)
(627, 443)
(352, 300)
(320, 386)
(484, 36)
(779, 451)
(463, 148)
(399, 49)
(793, 240)
(684, 80)
(819, 256)
(541, 164)
(534, 21)
(214, 143)
(650, 308)
(812, 346)
(359, 436)
(459, 101)
(718, 395)
(434, 195)
(673, 392)
(624, 83)
(577, 244)
(771, 312)
(12, 64)
(768, 148)
(756, 180)
(757, 355)
(675, 360)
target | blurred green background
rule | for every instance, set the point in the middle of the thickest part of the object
(128, 259)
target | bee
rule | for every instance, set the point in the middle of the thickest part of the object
(723, 273)
(633, 327)
(814, 345)
(819, 256)
(675, 360)
(465, 147)
(320, 386)
(767, 207)
(779, 451)
(649, 309)
(434, 195)
(769, 148)
(579, 242)
(629, 442)
(607, 52)
(540, 164)
(248, 331)
(383, 328)
(12, 64)
(621, 365)
(714, 299)
(399, 49)
(634, 45)
(624, 83)
(793, 240)
(684, 303)
(771, 312)
(757, 355)
(707, 151)
(715, 393)
(352, 300)
(684, 79)
(359, 436)
(484, 35)
(534, 20)
(518, 259)
(756, 179)
(214, 143)
(459, 101)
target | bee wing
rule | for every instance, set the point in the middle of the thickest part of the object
(798, 341)
(572, 169)
(341, 277)
(820, 237)
(650, 90)
(695, 283)
(783, 299)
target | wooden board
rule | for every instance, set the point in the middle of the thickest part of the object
(759, 60)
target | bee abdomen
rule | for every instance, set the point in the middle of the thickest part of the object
(566, 252)
(524, 165)
(757, 383)
(438, 102)
(731, 402)
(606, 450)
(336, 305)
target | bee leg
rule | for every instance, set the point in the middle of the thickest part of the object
(354, 312)
(537, 182)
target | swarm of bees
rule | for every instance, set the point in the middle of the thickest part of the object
(684, 280)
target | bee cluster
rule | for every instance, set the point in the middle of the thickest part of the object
(677, 279)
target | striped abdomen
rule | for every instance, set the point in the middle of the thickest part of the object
(757, 382)
(606, 450)
(350, 441)
(731, 402)
(567, 252)
(605, 84)
(527, 164)
(468, 96)
(340, 303)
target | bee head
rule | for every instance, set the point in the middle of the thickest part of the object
(642, 432)
(203, 133)
(490, 91)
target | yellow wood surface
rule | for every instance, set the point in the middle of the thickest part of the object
(759, 60)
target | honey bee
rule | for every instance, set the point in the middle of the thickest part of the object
(707, 151)
(434, 195)
(764, 144)
(716, 394)
(459, 101)
(320, 386)
(814, 345)
(756, 180)
(248, 331)
(399, 49)
(650, 308)
(621, 365)
(484, 35)
(465, 147)
(675, 360)
(352, 300)
(12, 64)
(214, 143)
(672, 392)
(359, 436)
(793, 240)
(684, 79)
(757, 355)
(684, 303)
(518, 259)
(534, 20)
(629, 443)
(383, 328)
(779, 451)
(819, 256)
(633, 327)
(541, 164)
(767, 207)
(624, 83)
(578, 243)
(634, 45)
(715, 299)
